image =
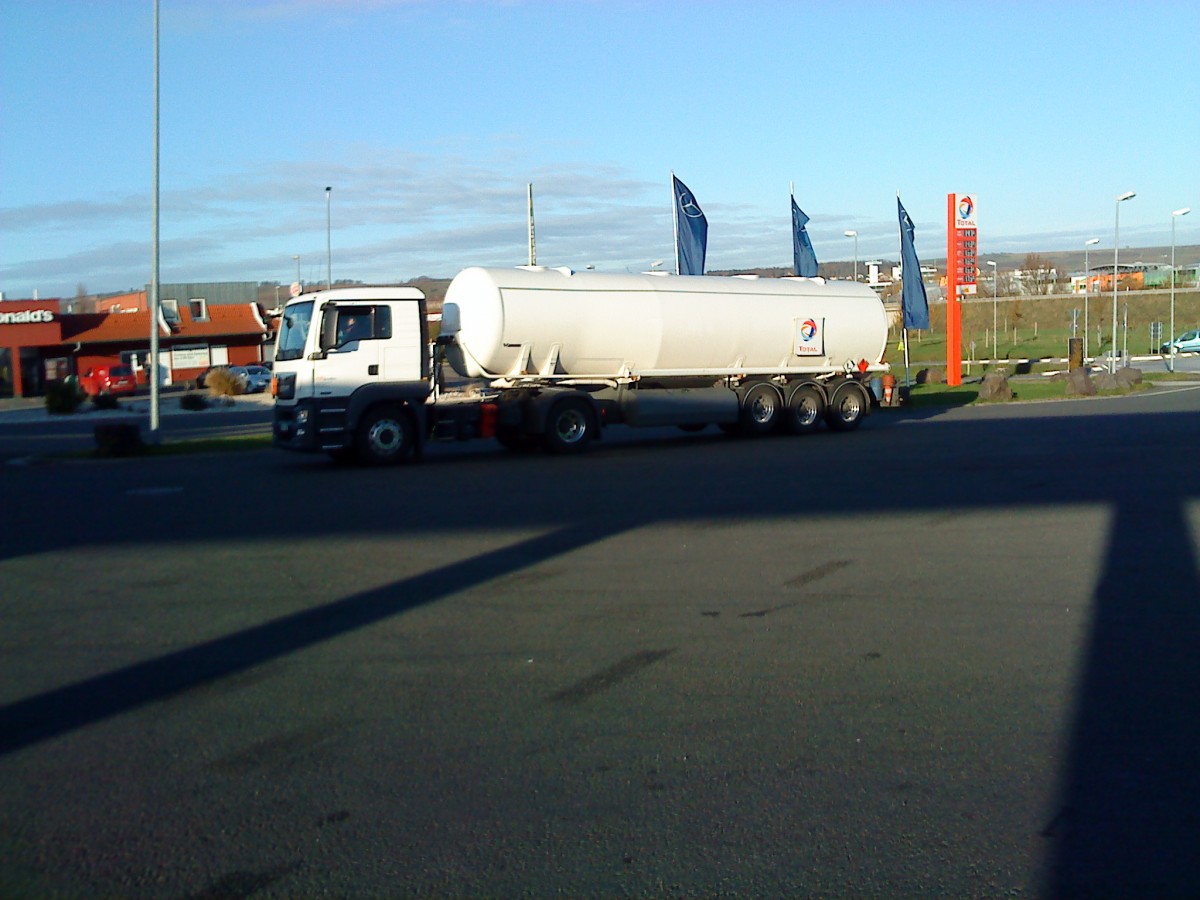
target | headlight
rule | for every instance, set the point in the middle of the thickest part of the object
(301, 416)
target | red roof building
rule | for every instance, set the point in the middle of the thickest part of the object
(39, 343)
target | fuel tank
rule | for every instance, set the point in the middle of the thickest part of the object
(532, 320)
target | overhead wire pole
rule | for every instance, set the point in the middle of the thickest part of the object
(154, 399)
(328, 242)
(532, 241)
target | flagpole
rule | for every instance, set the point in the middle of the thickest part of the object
(675, 221)
(903, 317)
(907, 379)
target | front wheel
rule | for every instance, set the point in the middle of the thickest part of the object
(384, 436)
(569, 427)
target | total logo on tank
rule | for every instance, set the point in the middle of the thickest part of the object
(809, 337)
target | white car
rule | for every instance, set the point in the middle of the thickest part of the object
(1185, 343)
(251, 378)
(258, 379)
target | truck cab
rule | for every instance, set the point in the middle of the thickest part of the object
(352, 373)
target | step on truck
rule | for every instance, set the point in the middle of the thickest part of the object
(550, 358)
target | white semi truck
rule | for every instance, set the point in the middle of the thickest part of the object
(552, 357)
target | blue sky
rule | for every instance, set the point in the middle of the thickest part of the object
(429, 117)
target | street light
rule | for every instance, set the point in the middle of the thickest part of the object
(328, 243)
(153, 299)
(1087, 287)
(1171, 337)
(1112, 356)
(297, 259)
(854, 234)
(995, 314)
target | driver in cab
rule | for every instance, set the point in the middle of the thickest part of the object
(353, 327)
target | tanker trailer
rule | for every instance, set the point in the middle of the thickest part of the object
(552, 357)
(747, 353)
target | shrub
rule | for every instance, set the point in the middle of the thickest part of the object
(223, 383)
(193, 400)
(63, 396)
(104, 401)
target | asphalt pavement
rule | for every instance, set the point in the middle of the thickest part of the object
(29, 432)
(949, 654)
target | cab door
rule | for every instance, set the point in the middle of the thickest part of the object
(374, 342)
(353, 359)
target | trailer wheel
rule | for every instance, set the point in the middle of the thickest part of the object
(806, 408)
(384, 436)
(848, 406)
(569, 427)
(760, 409)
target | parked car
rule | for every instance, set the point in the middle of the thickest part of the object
(108, 380)
(1185, 343)
(258, 379)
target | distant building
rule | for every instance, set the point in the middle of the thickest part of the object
(47, 340)
(1130, 277)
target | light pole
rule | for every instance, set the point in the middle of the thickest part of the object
(153, 300)
(1112, 356)
(854, 234)
(995, 311)
(297, 259)
(1087, 287)
(1171, 337)
(328, 242)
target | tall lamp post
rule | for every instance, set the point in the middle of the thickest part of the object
(153, 299)
(1112, 356)
(854, 234)
(1087, 287)
(328, 242)
(995, 310)
(1171, 337)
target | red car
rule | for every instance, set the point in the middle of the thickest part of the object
(108, 380)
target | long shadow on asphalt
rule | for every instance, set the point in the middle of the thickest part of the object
(1129, 817)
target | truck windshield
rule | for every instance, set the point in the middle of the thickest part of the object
(293, 330)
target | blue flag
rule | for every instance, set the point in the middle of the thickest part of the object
(691, 231)
(913, 301)
(802, 249)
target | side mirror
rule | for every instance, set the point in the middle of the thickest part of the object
(328, 338)
(451, 319)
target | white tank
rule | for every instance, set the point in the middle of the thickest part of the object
(558, 322)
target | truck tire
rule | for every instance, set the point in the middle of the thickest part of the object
(570, 426)
(847, 407)
(385, 435)
(805, 409)
(761, 406)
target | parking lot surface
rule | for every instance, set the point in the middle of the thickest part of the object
(949, 654)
